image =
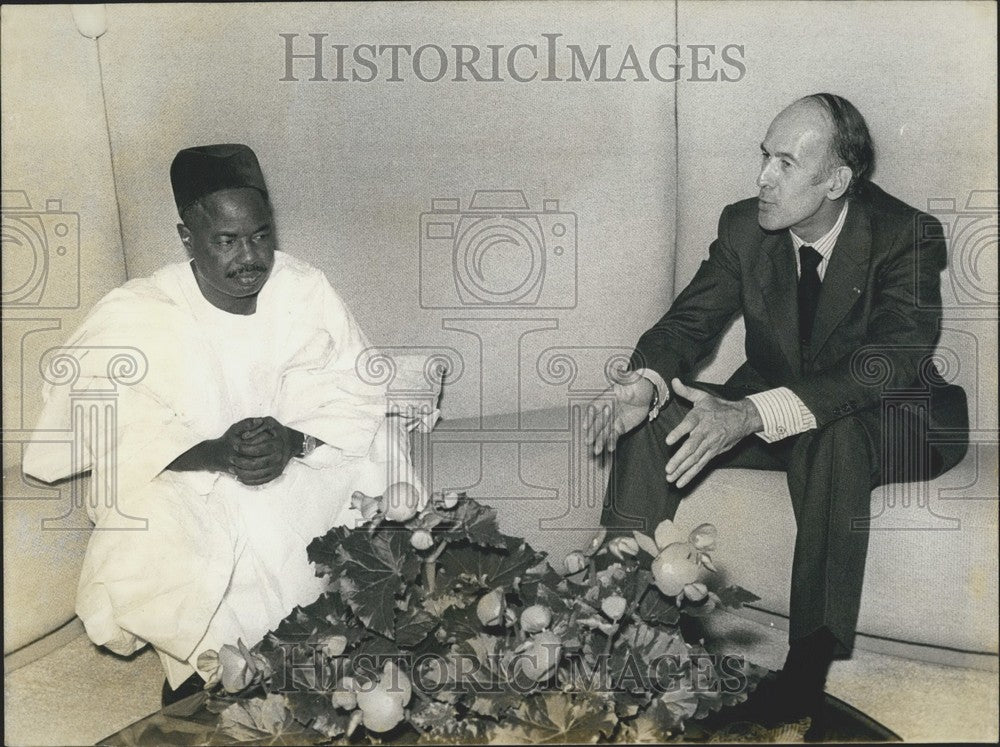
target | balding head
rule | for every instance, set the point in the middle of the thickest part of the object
(850, 141)
(803, 181)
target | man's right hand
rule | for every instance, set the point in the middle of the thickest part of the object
(632, 400)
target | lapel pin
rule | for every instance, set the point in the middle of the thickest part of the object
(856, 289)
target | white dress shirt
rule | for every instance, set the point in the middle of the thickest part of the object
(781, 410)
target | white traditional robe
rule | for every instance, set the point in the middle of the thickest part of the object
(219, 560)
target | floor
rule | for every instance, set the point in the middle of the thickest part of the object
(78, 695)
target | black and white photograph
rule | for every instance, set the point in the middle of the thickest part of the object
(500, 372)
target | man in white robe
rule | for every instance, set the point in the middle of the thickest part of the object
(243, 441)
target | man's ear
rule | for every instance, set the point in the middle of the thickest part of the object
(840, 180)
(185, 233)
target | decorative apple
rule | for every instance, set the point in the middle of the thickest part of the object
(400, 502)
(674, 568)
(677, 561)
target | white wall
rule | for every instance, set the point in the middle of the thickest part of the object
(55, 148)
(352, 165)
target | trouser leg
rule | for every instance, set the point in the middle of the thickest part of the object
(831, 474)
(639, 497)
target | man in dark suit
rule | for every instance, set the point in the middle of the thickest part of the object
(839, 286)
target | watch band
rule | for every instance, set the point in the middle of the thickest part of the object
(654, 407)
(308, 446)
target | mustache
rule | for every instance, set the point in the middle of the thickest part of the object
(246, 270)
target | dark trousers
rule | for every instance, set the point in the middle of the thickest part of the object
(831, 473)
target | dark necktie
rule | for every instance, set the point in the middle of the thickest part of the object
(809, 285)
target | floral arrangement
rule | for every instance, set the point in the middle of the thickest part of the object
(437, 628)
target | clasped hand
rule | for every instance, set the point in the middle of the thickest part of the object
(255, 450)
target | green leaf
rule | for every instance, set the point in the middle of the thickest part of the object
(440, 725)
(323, 550)
(474, 664)
(488, 568)
(331, 724)
(556, 718)
(659, 723)
(437, 604)
(736, 596)
(652, 643)
(413, 626)
(476, 523)
(629, 704)
(256, 717)
(374, 570)
(630, 671)
(534, 582)
(656, 609)
(306, 707)
(497, 704)
(462, 623)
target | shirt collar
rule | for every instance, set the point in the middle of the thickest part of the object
(824, 245)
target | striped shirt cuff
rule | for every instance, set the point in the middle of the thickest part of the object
(782, 413)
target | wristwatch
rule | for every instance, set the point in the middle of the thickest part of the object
(308, 446)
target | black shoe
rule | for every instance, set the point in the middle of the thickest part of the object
(777, 700)
(817, 731)
(188, 687)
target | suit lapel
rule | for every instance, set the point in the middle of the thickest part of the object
(778, 283)
(845, 275)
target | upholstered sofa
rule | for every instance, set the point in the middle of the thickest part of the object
(931, 579)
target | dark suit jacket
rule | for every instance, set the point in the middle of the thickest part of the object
(876, 325)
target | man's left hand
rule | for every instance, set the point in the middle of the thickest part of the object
(713, 426)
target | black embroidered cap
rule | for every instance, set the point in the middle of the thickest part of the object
(199, 171)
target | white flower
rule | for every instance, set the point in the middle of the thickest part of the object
(622, 546)
(334, 645)
(447, 500)
(696, 591)
(490, 608)
(345, 694)
(614, 607)
(596, 541)
(535, 618)
(236, 673)
(575, 562)
(421, 539)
